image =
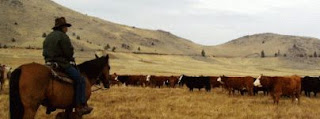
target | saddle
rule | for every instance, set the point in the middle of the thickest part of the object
(58, 74)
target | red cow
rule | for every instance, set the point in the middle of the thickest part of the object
(157, 81)
(279, 86)
(214, 82)
(237, 83)
(133, 80)
(173, 81)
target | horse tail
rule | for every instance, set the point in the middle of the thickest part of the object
(16, 107)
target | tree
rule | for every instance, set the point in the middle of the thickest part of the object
(13, 40)
(107, 47)
(315, 54)
(294, 46)
(78, 37)
(5, 46)
(44, 35)
(139, 49)
(275, 54)
(113, 49)
(81, 49)
(203, 53)
(262, 54)
(285, 55)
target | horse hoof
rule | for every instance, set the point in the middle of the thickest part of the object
(61, 115)
(74, 115)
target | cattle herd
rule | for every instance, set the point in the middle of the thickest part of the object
(276, 86)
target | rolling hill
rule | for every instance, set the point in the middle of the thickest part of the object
(24, 22)
(270, 43)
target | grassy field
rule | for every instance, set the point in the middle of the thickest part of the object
(137, 102)
(166, 103)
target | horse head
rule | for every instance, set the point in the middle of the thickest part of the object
(105, 72)
(97, 69)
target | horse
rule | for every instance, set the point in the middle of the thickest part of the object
(33, 84)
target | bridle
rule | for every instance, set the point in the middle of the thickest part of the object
(98, 78)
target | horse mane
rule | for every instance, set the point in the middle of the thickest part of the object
(93, 68)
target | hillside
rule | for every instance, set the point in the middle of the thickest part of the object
(270, 43)
(23, 23)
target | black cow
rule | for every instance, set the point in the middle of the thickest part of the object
(310, 84)
(195, 82)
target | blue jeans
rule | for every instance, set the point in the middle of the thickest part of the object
(79, 83)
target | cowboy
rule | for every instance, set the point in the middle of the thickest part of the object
(57, 49)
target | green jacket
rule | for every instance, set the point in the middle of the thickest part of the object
(57, 47)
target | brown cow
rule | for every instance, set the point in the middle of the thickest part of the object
(113, 80)
(214, 81)
(279, 86)
(157, 81)
(237, 83)
(173, 81)
(133, 80)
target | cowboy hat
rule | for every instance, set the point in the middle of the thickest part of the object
(61, 22)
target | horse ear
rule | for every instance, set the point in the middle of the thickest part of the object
(107, 56)
(96, 56)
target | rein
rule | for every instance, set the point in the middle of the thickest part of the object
(98, 88)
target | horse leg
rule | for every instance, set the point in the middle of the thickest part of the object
(67, 114)
(30, 112)
(1, 84)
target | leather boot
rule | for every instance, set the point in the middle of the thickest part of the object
(83, 110)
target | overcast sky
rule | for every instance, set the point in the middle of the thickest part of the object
(209, 22)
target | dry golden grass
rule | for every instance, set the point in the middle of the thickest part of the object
(144, 103)
(136, 102)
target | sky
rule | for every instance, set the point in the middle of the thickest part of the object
(209, 22)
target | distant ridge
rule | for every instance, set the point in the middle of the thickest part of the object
(23, 23)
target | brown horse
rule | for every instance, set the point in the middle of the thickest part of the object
(32, 85)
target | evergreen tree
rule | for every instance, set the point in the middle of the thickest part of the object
(262, 54)
(203, 53)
